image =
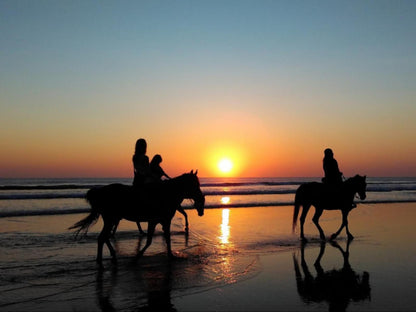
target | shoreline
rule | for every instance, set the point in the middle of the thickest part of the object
(75, 211)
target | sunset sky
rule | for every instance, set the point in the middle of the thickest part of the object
(267, 84)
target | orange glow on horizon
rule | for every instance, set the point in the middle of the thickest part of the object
(225, 160)
(257, 156)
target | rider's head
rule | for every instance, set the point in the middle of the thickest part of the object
(157, 159)
(328, 153)
(141, 146)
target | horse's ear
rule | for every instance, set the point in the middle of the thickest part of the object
(192, 171)
(196, 172)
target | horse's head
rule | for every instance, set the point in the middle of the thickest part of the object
(360, 186)
(193, 191)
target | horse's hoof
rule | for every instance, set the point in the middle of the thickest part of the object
(350, 237)
(303, 240)
(171, 256)
(333, 236)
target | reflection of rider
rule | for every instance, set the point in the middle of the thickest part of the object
(332, 174)
(140, 163)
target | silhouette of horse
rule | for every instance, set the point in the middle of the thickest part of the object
(337, 287)
(153, 203)
(328, 197)
(179, 209)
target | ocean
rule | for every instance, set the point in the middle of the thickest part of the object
(31, 197)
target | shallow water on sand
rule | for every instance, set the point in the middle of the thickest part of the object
(44, 268)
(233, 259)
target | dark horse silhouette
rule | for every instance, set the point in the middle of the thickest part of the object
(328, 197)
(179, 209)
(153, 203)
(337, 287)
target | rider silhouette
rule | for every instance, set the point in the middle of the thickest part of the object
(156, 170)
(140, 163)
(332, 174)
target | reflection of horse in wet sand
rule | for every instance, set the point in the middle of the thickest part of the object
(154, 203)
(148, 288)
(328, 197)
(337, 287)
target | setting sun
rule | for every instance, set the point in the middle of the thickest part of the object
(225, 159)
(225, 165)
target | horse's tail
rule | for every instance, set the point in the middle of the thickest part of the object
(83, 225)
(296, 209)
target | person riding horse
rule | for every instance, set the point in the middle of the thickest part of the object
(332, 174)
(140, 163)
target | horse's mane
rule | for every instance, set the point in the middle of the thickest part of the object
(357, 177)
(182, 177)
(180, 181)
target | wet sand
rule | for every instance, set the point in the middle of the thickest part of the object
(243, 259)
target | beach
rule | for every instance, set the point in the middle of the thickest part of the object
(131, 109)
(242, 259)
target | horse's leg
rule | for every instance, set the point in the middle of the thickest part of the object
(182, 211)
(140, 228)
(139, 245)
(104, 238)
(100, 242)
(344, 223)
(114, 230)
(150, 230)
(317, 263)
(315, 219)
(304, 265)
(334, 236)
(112, 251)
(302, 220)
(166, 233)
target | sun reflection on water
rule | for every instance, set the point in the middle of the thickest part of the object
(225, 200)
(224, 227)
(227, 272)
